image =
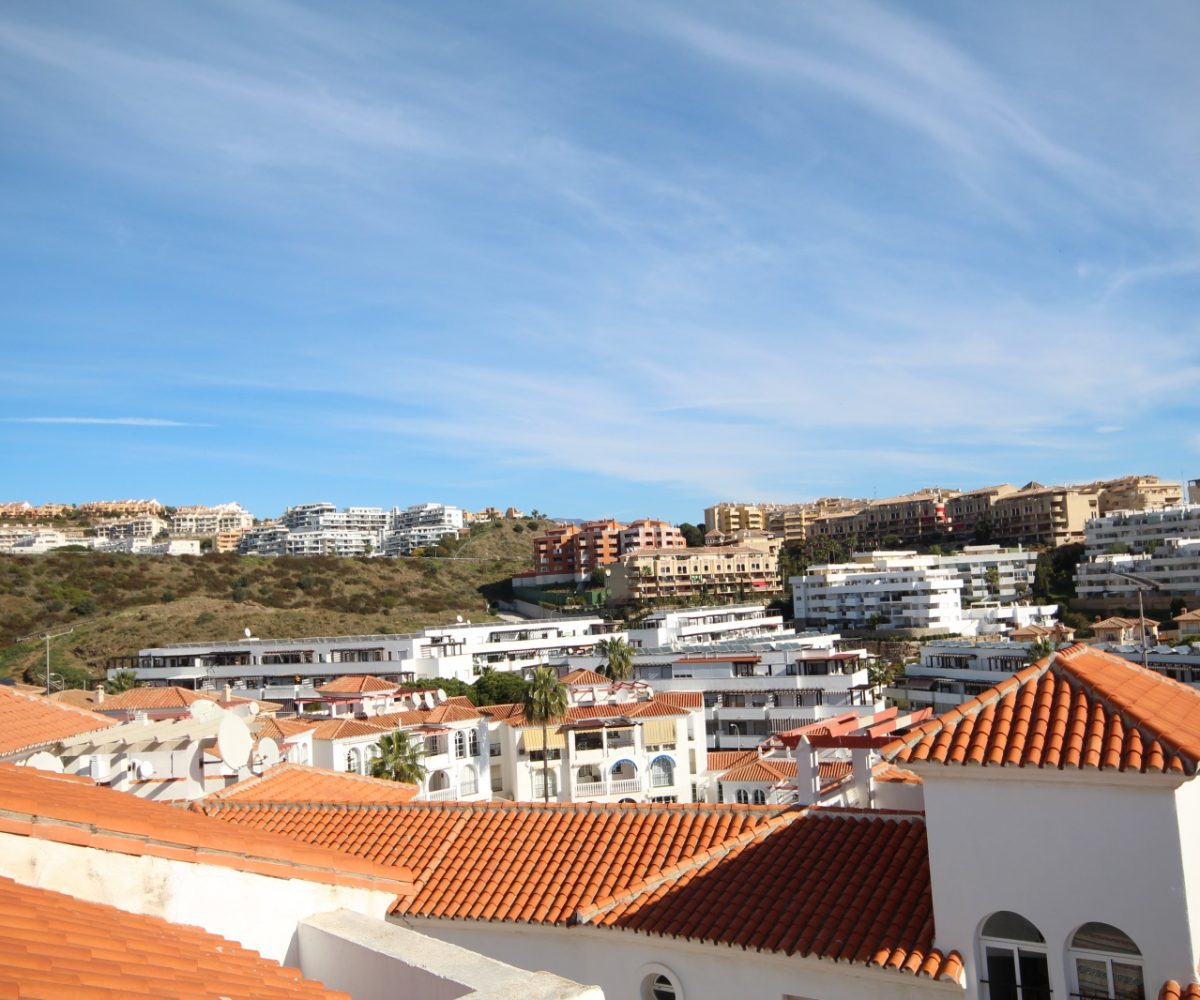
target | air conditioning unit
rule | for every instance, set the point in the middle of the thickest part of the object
(98, 769)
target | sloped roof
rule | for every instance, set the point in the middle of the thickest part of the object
(160, 698)
(28, 721)
(358, 684)
(1171, 990)
(1117, 622)
(447, 711)
(66, 810)
(846, 887)
(283, 729)
(1079, 708)
(514, 715)
(584, 677)
(304, 784)
(100, 951)
(723, 760)
(682, 699)
(762, 769)
(341, 729)
(1188, 616)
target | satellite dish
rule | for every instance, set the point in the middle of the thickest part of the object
(143, 769)
(459, 619)
(44, 761)
(441, 695)
(246, 632)
(233, 741)
(268, 752)
(252, 709)
(429, 702)
(203, 709)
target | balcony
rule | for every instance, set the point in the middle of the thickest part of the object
(441, 795)
(597, 789)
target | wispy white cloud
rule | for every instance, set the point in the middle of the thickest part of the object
(104, 421)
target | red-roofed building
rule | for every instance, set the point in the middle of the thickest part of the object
(30, 723)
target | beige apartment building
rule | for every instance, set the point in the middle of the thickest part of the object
(1045, 515)
(1137, 493)
(726, 573)
(730, 517)
(970, 511)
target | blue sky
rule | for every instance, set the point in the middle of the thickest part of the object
(620, 258)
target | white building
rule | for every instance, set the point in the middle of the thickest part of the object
(267, 539)
(145, 526)
(1173, 566)
(320, 529)
(209, 521)
(1140, 531)
(885, 590)
(148, 547)
(707, 624)
(420, 526)
(618, 743)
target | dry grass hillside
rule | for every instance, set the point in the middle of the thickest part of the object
(116, 604)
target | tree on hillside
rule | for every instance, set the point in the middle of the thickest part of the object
(619, 655)
(122, 680)
(399, 759)
(545, 702)
(693, 534)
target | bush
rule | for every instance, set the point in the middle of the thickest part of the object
(167, 596)
(85, 607)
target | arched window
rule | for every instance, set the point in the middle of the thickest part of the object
(743, 797)
(1013, 959)
(760, 797)
(540, 783)
(1106, 963)
(354, 760)
(460, 744)
(468, 781)
(660, 988)
(662, 772)
(473, 743)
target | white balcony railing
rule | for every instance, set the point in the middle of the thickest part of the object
(627, 786)
(440, 795)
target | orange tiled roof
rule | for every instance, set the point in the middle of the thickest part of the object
(762, 769)
(889, 772)
(28, 721)
(1171, 990)
(1124, 623)
(682, 699)
(110, 952)
(514, 715)
(1188, 616)
(1080, 708)
(357, 684)
(584, 677)
(839, 886)
(341, 729)
(301, 783)
(723, 760)
(284, 729)
(151, 698)
(445, 712)
(51, 807)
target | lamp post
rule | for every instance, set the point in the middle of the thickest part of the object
(1144, 583)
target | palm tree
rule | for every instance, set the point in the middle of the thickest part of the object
(399, 759)
(620, 658)
(121, 681)
(545, 701)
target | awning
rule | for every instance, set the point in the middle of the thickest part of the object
(533, 738)
(657, 731)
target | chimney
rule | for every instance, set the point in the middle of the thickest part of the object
(863, 776)
(808, 773)
(227, 695)
(99, 699)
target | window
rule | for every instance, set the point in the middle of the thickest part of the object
(662, 772)
(354, 760)
(468, 781)
(1013, 959)
(589, 741)
(473, 743)
(460, 744)
(540, 783)
(743, 797)
(1106, 964)
(661, 986)
(760, 797)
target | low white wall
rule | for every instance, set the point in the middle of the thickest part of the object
(376, 960)
(257, 911)
(620, 961)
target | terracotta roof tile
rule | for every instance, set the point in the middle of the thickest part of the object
(341, 729)
(837, 886)
(284, 729)
(300, 783)
(1080, 708)
(446, 712)
(48, 806)
(772, 770)
(682, 699)
(28, 721)
(163, 698)
(115, 953)
(358, 684)
(656, 707)
(723, 760)
(584, 677)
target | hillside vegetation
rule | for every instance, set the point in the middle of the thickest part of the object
(116, 604)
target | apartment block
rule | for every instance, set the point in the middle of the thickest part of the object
(1045, 515)
(419, 526)
(725, 572)
(651, 534)
(266, 539)
(1138, 493)
(120, 508)
(575, 550)
(730, 517)
(971, 512)
(1171, 569)
(211, 521)
(908, 519)
(1140, 531)
(144, 526)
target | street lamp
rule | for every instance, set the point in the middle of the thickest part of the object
(1144, 583)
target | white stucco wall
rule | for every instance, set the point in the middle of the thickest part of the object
(258, 911)
(619, 961)
(1062, 849)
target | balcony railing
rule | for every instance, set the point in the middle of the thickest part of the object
(625, 786)
(440, 795)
